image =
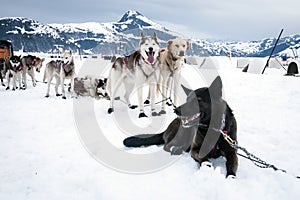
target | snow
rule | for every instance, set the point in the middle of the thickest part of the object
(45, 154)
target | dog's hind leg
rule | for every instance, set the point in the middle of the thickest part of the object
(31, 74)
(164, 95)
(57, 78)
(8, 79)
(48, 85)
(114, 82)
(72, 87)
(1, 78)
(19, 80)
(128, 90)
(14, 80)
(62, 82)
(24, 77)
(176, 81)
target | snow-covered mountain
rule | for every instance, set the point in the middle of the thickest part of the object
(120, 37)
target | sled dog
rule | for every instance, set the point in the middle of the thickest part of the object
(90, 86)
(30, 62)
(170, 62)
(61, 70)
(52, 70)
(13, 71)
(197, 128)
(138, 69)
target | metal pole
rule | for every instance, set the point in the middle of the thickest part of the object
(272, 51)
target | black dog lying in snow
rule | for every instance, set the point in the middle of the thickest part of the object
(197, 128)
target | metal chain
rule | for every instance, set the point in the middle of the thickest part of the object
(257, 161)
(253, 158)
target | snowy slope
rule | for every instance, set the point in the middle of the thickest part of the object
(44, 156)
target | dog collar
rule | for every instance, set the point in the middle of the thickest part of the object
(222, 127)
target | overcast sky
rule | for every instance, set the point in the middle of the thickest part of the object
(237, 20)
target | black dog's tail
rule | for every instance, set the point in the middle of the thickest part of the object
(144, 140)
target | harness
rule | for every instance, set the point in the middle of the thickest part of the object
(214, 151)
(31, 65)
(17, 69)
(68, 67)
(174, 60)
(152, 65)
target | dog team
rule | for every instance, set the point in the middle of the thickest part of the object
(203, 113)
(16, 70)
(150, 65)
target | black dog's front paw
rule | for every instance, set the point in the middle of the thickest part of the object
(206, 163)
(231, 177)
(176, 150)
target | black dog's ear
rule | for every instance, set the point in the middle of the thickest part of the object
(215, 88)
(186, 90)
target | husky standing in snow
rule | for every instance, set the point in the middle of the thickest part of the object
(14, 70)
(136, 70)
(29, 64)
(170, 62)
(61, 70)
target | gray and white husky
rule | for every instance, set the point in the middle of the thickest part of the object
(14, 70)
(135, 71)
(61, 70)
(90, 86)
(29, 64)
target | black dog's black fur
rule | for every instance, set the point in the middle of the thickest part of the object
(197, 128)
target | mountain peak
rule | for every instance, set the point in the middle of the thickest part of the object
(130, 15)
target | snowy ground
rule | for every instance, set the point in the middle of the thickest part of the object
(44, 154)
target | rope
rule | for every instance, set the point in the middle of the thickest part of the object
(255, 160)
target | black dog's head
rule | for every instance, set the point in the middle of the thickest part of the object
(202, 105)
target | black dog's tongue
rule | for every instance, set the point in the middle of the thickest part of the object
(150, 58)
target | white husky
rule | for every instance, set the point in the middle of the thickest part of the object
(136, 70)
(61, 70)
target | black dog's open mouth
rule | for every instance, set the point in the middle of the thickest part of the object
(188, 121)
